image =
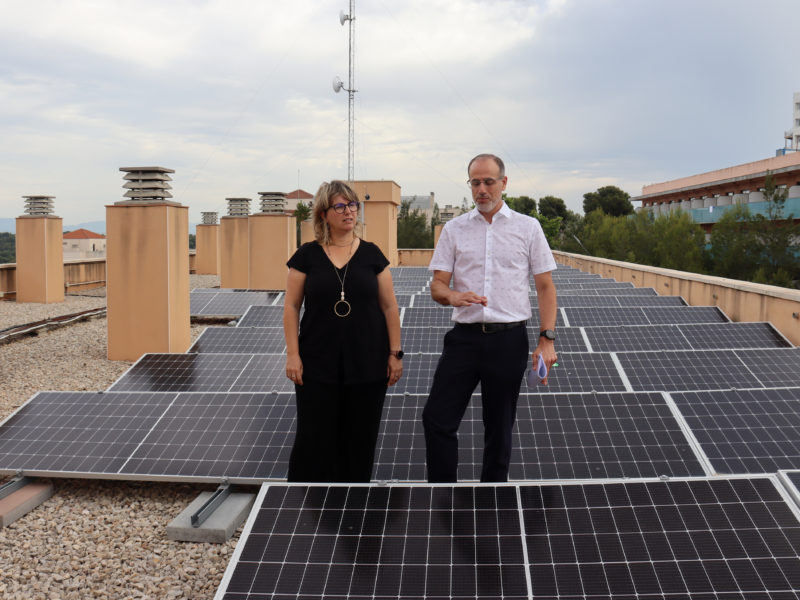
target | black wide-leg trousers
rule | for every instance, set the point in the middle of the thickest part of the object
(337, 429)
(496, 360)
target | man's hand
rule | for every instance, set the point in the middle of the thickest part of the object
(465, 299)
(547, 350)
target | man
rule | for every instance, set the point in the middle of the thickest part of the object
(489, 253)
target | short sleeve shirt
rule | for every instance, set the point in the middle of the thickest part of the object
(352, 349)
(495, 260)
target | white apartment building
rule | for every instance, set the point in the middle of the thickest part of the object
(83, 243)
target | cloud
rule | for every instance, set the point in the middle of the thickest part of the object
(236, 95)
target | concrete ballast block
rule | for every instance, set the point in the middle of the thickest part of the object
(219, 527)
(21, 502)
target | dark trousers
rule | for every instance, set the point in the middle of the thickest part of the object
(496, 360)
(337, 429)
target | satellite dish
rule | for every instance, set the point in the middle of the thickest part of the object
(337, 84)
(343, 17)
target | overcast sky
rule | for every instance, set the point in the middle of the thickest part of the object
(236, 95)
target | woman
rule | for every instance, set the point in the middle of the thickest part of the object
(348, 347)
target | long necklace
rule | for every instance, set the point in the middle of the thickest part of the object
(342, 306)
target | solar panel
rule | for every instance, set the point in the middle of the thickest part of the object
(586, 436)
(240, 340)
(568, 339)
(599, 316)
(711, 369)
(648, 315)
(229, 304)
(211, 372)
(429, 340)
(262, 316)
(78, 431)
(724, 539)
(627, 292)
(633, 338)
(245, 438)
(684, 337)
(438, 316)
(582, 372)
(564, 436)
(745, 431)
(684, 314)
(404, 299)
(734, 335)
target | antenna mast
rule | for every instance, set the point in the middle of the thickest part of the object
(338, 85)
(351, 95)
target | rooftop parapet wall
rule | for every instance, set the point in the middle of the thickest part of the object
(742, 301)
(747, 169)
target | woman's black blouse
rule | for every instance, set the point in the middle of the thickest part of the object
(352, 349)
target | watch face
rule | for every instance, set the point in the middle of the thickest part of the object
(548, 333)
(400, 354)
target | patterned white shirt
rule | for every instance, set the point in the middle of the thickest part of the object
(494, 260)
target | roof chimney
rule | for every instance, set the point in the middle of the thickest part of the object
(238, 207)
(209, 218)
(39, 206)
(147, 184)
(273, 202)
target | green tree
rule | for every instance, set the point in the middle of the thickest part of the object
(301, 212)
(610, 199)
(522, 204)
(676, 242)
(551, 206)
(192, 241)
(412, 228)
(8, 248)
(777, 237)
(734, 249)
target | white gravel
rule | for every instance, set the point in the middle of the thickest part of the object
(94, 539)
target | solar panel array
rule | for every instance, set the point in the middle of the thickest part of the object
(724, 538)
(645, 388)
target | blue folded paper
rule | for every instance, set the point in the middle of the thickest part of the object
(540, 373)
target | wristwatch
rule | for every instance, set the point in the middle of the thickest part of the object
(398, 354)
(548, 333)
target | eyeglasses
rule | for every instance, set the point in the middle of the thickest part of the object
(488, 182)
(339, 208)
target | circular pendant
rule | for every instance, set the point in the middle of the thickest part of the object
(343, 310)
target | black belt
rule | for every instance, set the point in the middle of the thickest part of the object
(490, 327)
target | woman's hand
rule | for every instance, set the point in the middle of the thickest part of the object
(294, 368)
(394, 369)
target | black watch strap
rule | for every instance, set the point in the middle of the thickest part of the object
(398, 354)
(548, 333)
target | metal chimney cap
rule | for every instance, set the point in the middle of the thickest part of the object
(156, 169)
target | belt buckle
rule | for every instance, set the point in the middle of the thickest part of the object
(483, 327)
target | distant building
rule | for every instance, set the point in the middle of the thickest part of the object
(793, 135)
(83, 243)
(423, 204)
(299, 196)
(707, 196)
(448, 212)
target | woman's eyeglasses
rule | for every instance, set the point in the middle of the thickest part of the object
(339, 208)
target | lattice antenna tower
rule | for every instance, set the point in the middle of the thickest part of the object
(350, 89)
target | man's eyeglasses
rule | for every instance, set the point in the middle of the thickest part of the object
(488, 182)
(339, 208)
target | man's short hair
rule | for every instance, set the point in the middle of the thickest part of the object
(496, 159)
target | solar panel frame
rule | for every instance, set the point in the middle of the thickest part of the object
(744, 431)
(230, 304)
(647, 315)
(240, 340)
(244, 438)
(611, 540)
(262, 316)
